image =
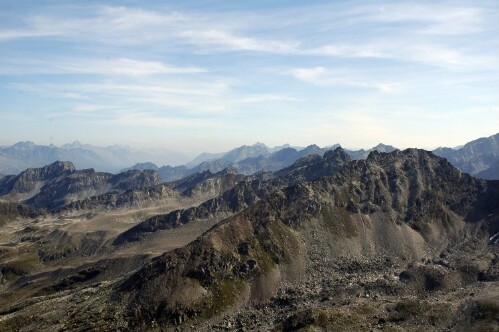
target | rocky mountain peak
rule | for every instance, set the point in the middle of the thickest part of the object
(60, 166)
(384, 148)
(48, 172)
(338, 154)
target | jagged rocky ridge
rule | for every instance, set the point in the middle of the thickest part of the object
(57, 184)
(240, 196)
(199, 186)
(402, 206)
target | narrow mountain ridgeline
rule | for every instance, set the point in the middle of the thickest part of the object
(57, 184)
(130, 199)
(398, 207)
(142, 166)
(208, 184)
(278, 160)
(473, 158)
(312, 167)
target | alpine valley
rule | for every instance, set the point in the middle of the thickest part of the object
(253, 239)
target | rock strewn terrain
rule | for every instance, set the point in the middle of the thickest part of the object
(392, 242)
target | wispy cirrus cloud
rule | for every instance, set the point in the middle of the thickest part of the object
(436, 18)
(428, 23)
(154, 120)
(118, 67)
(401, 50)
(323, 77)
(182, 96)
(267, 98)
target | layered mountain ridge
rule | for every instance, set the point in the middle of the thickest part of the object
(60, 183)
(475, 158)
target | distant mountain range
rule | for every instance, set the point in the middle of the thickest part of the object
(479, 158)
(251, 159)
(22, 155)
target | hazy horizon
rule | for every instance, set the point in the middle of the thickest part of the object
(209, 77)
(190, 155)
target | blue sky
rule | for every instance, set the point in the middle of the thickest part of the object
(212, 75)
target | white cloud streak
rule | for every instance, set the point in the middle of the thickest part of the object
(112, 67)
(323, 77)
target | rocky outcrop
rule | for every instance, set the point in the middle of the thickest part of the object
(32, 179)
(208, 184)
(312, 167)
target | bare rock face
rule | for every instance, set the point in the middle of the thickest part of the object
(59, 183)
(28, 180)
(135, 179)
(313, 166)
(132, 198)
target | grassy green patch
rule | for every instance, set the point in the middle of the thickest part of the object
(223, 293)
